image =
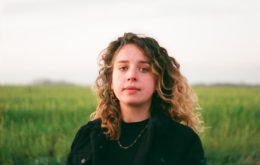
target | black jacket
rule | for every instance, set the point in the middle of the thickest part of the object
(165, 142)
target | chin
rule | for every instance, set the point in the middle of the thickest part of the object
(134, 103)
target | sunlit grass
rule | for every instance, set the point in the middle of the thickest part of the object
(231, 117)
(38, 123)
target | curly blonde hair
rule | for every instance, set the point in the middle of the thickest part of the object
(173, 97)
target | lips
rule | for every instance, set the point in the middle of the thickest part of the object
(131, 88)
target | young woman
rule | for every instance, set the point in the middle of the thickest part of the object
(147, 113)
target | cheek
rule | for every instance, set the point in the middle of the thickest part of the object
(151, 83)
(112, 82)
(152, 87)
(115, 82)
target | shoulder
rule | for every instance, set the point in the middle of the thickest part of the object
(83, 134)
(94, 124)
(183, 135)
(89, 126)
(177, 135)
(183, 131)
(166, 126)
(180, 143)
(80, 148)
(189, 141)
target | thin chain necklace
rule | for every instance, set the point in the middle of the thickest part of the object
(134, 142)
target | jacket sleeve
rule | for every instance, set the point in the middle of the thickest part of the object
(195, 152)
(77, 137)
(77, 142)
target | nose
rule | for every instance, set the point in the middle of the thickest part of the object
(132, 75)
(131, 79)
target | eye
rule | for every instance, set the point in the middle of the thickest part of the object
(123, 68)
(144, 69)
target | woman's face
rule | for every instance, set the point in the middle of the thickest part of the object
(132, 80)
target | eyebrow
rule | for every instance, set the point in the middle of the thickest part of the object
(126, 61)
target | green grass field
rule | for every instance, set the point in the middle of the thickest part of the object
(38, 123)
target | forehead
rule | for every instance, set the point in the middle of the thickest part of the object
(130, 53)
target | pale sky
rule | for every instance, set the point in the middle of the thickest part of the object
(214, 41)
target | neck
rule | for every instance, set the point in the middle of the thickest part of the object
(134, 113)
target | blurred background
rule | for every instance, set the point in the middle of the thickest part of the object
(49, 61)
(214, 41)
